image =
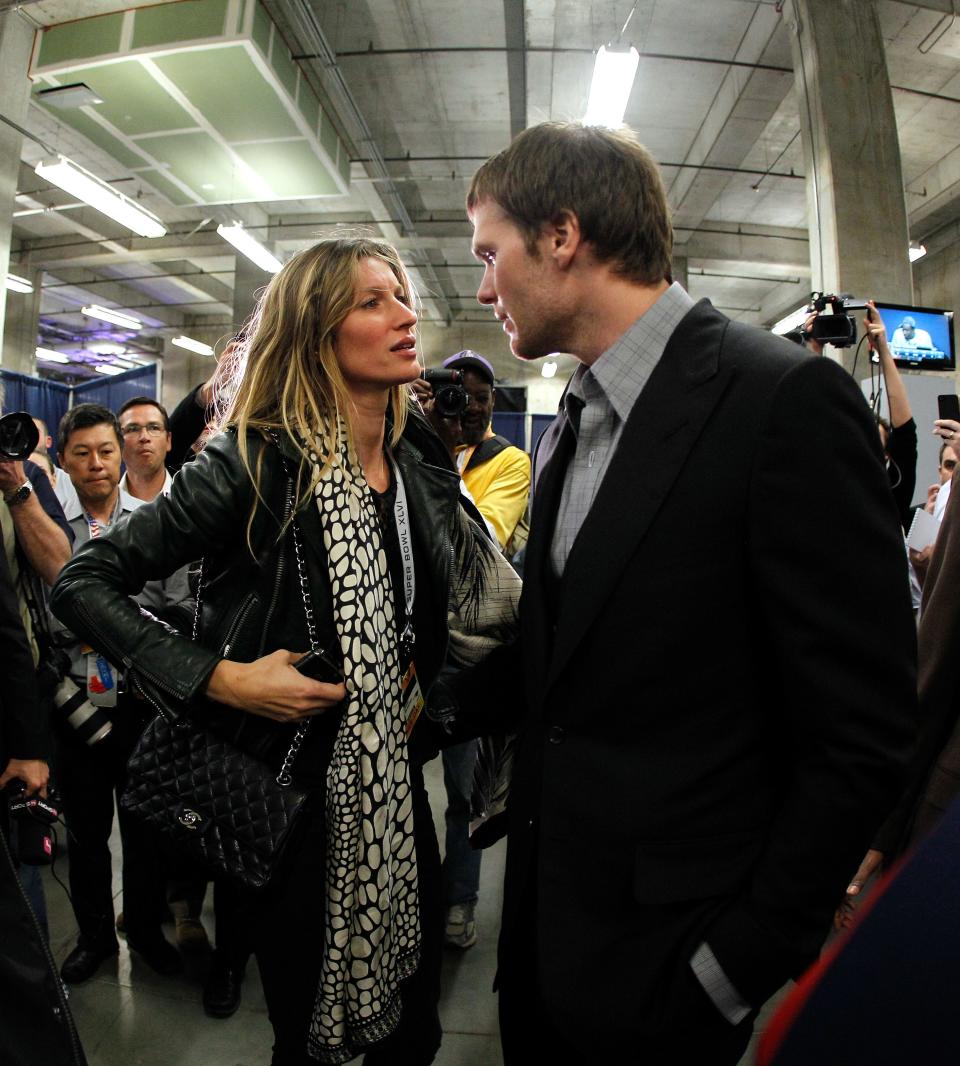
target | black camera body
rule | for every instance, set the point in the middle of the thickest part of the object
(19, 437)
(33, 816)
(838, 328)
(450, 399)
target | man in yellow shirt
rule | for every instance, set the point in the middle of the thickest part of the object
(497, 476)
(496, 473)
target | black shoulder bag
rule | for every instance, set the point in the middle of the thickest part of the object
(225, 808)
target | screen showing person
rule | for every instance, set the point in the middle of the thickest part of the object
(918, 336)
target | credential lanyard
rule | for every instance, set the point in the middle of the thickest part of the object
(407, 637)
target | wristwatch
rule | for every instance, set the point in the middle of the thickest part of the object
(11, 499)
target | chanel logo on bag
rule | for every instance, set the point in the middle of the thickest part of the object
(191, 819)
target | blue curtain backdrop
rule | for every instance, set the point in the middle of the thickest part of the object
(510, 424)
(114, 391)
(50, 400)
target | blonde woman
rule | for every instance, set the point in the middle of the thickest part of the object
(348, 934)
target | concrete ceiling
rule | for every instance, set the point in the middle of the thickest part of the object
(301, 118)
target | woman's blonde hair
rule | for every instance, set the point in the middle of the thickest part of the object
(284, 376)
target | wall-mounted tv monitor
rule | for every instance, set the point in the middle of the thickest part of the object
(920, 338)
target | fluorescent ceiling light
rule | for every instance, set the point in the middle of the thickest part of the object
(50, 356)
(792, 321)
(17, 284)
(251, 248)
(64, 97)
(107, 368)
(548, 370)
(613, 74)
(192, 346)
(917, 251)
(60, 171)
(109, 315)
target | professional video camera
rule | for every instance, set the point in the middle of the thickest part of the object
(838, 328)
(450, 399)
(19, 436)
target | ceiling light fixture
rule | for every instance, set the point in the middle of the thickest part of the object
(65, 174)
(250, 247)
(917, 251)
(549, 369)
(64, 97)
(17, 284)
(613, 73)
(106, 314)
(108, 368)
(47, 355)
(192, 346)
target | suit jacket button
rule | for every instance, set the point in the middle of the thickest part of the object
(557, 734)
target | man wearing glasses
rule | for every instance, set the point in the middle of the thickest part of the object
(92, 770)
(146, 445)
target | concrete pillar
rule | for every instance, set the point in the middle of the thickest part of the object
(20, 324)
(16, 42)
(679, 271)
(856, 208)
(249, 281)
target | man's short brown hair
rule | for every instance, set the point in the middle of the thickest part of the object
(605, 177)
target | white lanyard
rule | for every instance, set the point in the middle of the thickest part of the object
(406, 554)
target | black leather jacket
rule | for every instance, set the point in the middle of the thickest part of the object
(251, 599)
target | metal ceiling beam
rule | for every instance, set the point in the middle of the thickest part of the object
(516, 38)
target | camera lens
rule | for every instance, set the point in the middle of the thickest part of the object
(19, 436)
(71, 706)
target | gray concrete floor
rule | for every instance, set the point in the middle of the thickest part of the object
(129, 1016)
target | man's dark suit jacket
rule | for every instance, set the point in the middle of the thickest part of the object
(715, 702)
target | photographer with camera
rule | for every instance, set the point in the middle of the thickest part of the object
(495, 472)
(459, 401)
(36, 544)
(898, 436)
(97, 726)
(35, 1019)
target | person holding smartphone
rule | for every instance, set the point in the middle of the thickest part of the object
(321, 434)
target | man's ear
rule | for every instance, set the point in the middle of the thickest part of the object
(563, 238)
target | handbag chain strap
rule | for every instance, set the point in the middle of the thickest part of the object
(285, 776)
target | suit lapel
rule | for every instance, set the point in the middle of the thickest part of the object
(662, 428)
(551, 461)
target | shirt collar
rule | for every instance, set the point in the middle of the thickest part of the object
(131, 502)
(620, 374)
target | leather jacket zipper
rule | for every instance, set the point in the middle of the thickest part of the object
(233, 632)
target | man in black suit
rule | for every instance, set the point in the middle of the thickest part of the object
(713, 688)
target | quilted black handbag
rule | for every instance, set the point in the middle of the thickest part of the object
(228, 810)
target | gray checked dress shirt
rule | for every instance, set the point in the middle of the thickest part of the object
(606, 392)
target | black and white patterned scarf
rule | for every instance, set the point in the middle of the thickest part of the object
(372, 929)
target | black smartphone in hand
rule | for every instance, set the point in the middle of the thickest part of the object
(949, 406)
(318, 666)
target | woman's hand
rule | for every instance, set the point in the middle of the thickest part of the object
(272, 688)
